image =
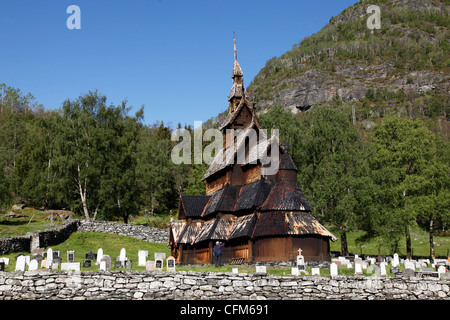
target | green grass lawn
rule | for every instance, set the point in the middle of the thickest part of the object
(33, 220)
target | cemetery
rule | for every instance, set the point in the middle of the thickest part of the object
(135, 269)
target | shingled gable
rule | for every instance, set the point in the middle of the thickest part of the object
(192, 205)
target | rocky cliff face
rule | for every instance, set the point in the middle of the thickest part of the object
(402, 67)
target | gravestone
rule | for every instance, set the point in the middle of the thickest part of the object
(107, 260)
(315, 271)
(128, 264)
(117, 263)
(20, 263)
(260, 269)
(383, 269)
(395, 261)
(102, 265)
(160, 255)
(123, 256)
(358, 269)
(70, 256)
(408, 272)
(49, 256)
(87, 263)
(90, 255)
(333, 269)
(99, 255)
(38, 258)
(337, 262)
(33, 265)
(5, 260)
(2, 266)
(349, 265)
(142, 256)
(150, 265)
(234, 270)
(170, 263)
(394, 270)
(294, 271)
(441, 269)
(70, 266)
(409, 265)
(159, 264)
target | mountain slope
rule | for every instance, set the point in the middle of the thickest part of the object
(404, 67)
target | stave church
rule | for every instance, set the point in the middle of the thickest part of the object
(260, 216)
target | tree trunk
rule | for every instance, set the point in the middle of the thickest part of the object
(344, 245)
(83, 195)
(432, 255)
(408, 244)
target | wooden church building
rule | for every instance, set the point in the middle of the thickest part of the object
(260, 217)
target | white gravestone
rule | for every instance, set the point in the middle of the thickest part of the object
(142, 256)
(358, 269)
(440, 270)
(160, 255)
(49, 256)
(33, 265)
(395, 262)
(70, 266)
(315, 271)
(123, 257)
(20, 263)
(99, 255)
(5, 260)
(294, 271)
(102, 265)
(333, 269)
(150, 265)
(235, 270)
(383, 269)
(260, 269)
(409, 265)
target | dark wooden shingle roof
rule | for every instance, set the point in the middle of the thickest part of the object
(193, 205)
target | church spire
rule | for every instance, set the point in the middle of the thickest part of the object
(237, 90)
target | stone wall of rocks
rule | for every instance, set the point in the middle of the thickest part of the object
(15, 244)
(139, 232)
(129, 285)
(58, 234)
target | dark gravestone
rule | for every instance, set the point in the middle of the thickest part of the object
(2, 266)
(394, 270)
(87, 263)
(117, 264)
(91, 256)
(408, 273)
(128, 264)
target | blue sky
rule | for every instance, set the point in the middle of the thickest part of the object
(173, 57)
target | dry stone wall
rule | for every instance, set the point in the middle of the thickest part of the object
(187, 285)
